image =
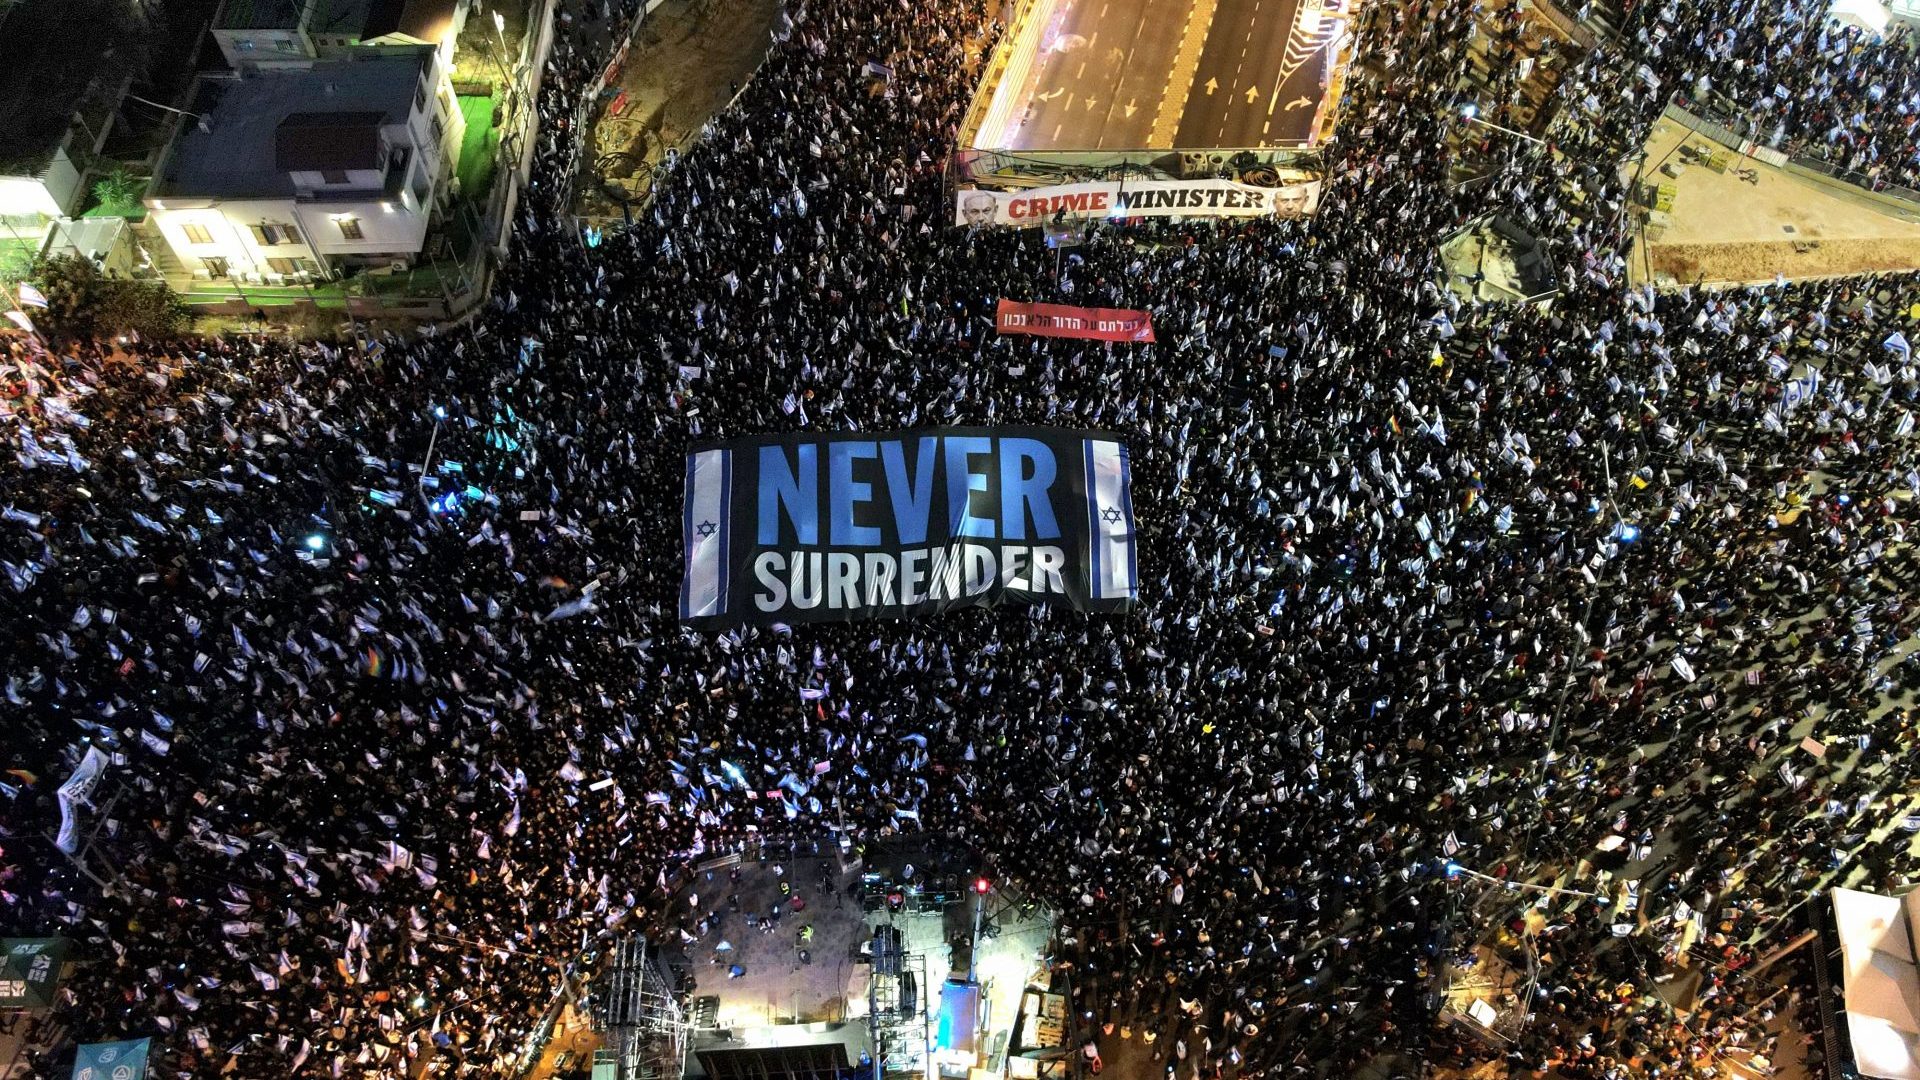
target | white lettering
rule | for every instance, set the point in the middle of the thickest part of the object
(806, 570)
(980, 569)
(842, 569)
(767, 568)
(910, 575)
(1010, 573)
(1048, 561)
(881, 570)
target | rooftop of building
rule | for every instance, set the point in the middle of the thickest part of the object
(367, 20)
(261, 14)
(240, 150)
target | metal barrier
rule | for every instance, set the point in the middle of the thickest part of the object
(1719, 125)
(1031, 168)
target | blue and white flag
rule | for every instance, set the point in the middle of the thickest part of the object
(74, 793)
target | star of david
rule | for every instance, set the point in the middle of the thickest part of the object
(705, 529)
(1112, 514)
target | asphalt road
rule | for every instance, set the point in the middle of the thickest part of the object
(1238, 97)
(1101, 85)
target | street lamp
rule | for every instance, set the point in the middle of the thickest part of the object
(1470, 112)
(426, 467)
(981, 887)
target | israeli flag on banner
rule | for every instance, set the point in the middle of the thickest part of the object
(111, 1060)
(1110, 555)
(703, 589)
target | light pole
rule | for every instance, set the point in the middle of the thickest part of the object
(1471, 114)
(426, 467)
(981, 886)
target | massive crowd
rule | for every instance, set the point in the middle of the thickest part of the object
(1799, 80)
(1553, 593)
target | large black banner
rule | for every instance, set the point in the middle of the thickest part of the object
(812, 528)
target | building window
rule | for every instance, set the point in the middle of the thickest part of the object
(243, 44)
(350, 229)
(333, 176)
(284, 266)
(275, 235)
(420, 96)
(285, 45)
(197, 234)
(437, 128)
(215, 267)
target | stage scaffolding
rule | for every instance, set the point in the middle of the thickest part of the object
(897, 1008)
(640, 1014)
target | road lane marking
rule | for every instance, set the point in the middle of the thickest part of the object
(1186, 65)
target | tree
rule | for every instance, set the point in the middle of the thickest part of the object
(84, 303)
(117, 192)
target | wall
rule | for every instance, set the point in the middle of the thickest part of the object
(385, 232)
(230, 234)
(266, 51)
(357, 180)
(54, 193)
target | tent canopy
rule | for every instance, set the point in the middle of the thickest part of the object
(1882, 981)
(30, 971)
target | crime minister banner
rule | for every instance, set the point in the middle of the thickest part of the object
(1060, 320)
(1133, 198)
(816, 528)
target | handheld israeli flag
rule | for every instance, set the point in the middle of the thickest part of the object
(74, 793)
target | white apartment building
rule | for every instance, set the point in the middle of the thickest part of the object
(316, 169)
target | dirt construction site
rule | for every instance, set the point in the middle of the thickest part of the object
(1723, 218)
(1720, 217)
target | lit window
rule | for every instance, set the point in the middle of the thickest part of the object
(350, 229)
(197, 234)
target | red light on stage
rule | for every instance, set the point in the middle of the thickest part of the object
(982, 886)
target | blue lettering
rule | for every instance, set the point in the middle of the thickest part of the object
(843, 491)
(799, 494)
(912, 497)
(1017, 487)
(962, 482)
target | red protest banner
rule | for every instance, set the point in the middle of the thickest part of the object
(1059, 320)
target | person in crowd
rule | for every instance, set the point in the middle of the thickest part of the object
(1462, 624)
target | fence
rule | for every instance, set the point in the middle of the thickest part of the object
(1741, 133)
(1030, 168)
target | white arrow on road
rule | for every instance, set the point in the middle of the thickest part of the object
(1090, 104)
(1049, 96)
(1212, 85)
(1302, 102)
(1131, 108)
(1253, 94)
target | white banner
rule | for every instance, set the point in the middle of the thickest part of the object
(78, 788)
(1133, 198)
